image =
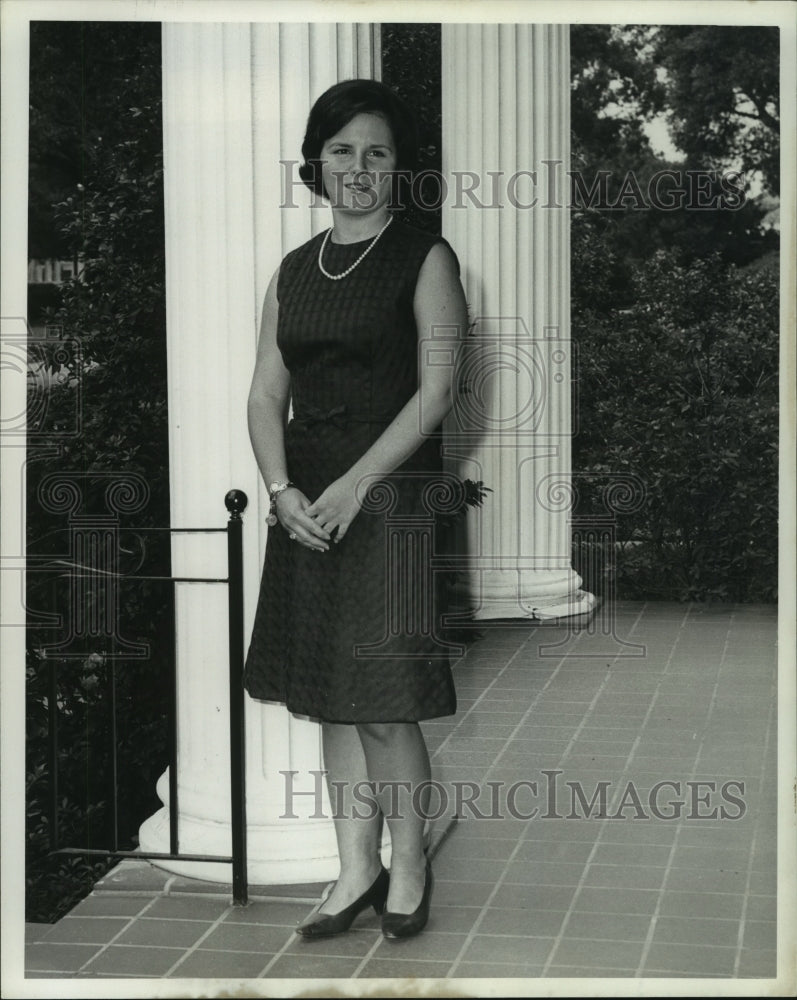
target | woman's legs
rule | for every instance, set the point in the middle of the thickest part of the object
(357, 833)
(392, 758)
(397, 762)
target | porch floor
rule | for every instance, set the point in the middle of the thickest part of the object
(660, 693)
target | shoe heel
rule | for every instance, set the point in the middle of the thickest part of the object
(379, 900)
(403, 925)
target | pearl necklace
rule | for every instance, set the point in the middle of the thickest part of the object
(368, 249)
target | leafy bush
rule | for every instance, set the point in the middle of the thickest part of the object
(41, 298)
(681, 390)
(85, 774)
(104, 421)
(410, 55)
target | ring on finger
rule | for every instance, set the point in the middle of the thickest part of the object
(292, 536)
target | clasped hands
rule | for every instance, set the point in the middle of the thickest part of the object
(327, 519)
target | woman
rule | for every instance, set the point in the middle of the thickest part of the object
(345, 321)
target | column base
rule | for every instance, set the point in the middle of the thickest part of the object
(282, 850)
(284, 853)
(536, 595)
(576, 608)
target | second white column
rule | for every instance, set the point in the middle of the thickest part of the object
(505, 155)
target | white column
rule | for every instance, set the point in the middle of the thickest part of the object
(505, 113)
(236, 99)
(15, 407)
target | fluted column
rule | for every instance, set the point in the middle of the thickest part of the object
(505, 156)
(236, 99)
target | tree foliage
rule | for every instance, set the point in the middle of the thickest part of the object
(675, 312)
(411, 66)
(97, 195)
(614, 91)
(623, 78)
(723, 94)
(82, 75)
(681, 391)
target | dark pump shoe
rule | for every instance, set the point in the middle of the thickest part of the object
(403, 925)
(328, 924)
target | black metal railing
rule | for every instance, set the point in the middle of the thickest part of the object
(93, 544)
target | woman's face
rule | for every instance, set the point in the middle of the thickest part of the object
(356, 164)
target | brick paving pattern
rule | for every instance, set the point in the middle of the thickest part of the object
(686, 892)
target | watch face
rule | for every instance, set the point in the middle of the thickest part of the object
(273, 487)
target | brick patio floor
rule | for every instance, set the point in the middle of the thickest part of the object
(665, 693)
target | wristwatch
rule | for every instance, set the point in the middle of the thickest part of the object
(274, 491)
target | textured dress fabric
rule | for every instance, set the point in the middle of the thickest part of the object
(354, 634)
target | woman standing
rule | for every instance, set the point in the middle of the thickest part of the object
(345, 323)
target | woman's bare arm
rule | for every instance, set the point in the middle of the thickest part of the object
(269, 394)
(267, 413)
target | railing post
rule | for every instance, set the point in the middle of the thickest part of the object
(52, 748)
(171, 741)
(236, 501)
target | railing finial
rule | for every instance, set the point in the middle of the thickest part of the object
(235, 502)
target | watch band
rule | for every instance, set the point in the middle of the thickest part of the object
(274, 491)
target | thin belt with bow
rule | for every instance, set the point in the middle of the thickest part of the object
(338, 415)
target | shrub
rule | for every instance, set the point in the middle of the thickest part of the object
(114, 381)
(681, 390)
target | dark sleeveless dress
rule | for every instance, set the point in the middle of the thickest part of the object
(355, 634)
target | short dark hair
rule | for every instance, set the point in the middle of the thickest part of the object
(336, 107)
